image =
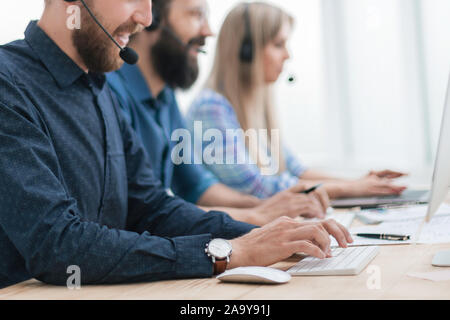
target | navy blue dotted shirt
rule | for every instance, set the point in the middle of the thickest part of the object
(76, 186)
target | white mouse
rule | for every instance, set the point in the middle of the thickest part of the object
(255, 275)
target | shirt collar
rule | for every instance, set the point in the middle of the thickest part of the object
(138, 85)
(63, 69)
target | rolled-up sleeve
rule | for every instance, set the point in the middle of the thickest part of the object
(190, 180)
(293, 163)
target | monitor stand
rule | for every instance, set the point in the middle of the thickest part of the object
(441, 259)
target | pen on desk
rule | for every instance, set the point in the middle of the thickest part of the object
(384, 236)
(307, 191)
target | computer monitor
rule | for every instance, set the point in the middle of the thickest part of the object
(441, 177)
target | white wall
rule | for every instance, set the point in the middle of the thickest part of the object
(15, 16)
(371, 79)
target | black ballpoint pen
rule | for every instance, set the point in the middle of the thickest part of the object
(384, 236)
(307, 191)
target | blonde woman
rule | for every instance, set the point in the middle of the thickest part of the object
(251, 52)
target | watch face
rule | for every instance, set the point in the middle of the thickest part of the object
(219, 248)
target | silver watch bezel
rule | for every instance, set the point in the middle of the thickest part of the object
(215, 255)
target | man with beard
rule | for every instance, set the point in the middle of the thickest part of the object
(76, 188)
(168, 51)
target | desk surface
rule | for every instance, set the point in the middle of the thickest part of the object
(394, 263)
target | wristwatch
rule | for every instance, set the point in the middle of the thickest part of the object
(220, 251)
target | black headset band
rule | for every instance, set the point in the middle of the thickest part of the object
(157, 19)
(248, 30)
(246, 52)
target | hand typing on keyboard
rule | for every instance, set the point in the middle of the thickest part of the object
(284, 237)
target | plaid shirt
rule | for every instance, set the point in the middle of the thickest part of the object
(215, 112)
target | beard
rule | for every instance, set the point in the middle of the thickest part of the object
(98, 52)
(172, 60)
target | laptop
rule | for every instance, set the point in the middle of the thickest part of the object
(408, 197)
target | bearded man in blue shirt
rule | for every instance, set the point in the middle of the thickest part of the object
(76, 185)
(169, 51)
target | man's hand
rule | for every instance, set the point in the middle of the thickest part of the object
(284, 237)
(293, 203)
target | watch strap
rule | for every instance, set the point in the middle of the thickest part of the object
(220, 266)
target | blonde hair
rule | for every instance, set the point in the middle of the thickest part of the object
(243, 84)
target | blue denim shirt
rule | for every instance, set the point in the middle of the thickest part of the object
(154, 120)
(76, 187)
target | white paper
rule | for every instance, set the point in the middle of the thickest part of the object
(436, 231)
(400, 214)
(433, 276)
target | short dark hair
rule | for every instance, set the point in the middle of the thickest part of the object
(162, 7)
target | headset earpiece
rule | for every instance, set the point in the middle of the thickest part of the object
(156, 20)
(246, 52)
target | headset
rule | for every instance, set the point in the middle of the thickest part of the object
(127, 54)
(246, 52)
(156, 21)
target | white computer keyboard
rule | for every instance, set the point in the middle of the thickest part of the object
(345, 262)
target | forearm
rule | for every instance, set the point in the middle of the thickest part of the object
(335, 187)
(315, 175)
(52, 240)
(109, 256)
(220, 195)
(152, 210)
(121, 257)
(247, 215)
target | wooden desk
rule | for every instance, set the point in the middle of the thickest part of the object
(394, 262)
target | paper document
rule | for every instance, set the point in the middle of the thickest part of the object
(433, 276)
(436, 231)
(400, 214)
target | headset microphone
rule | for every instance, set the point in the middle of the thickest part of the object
(127, 54)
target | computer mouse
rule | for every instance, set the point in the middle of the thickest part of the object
(263, 275)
